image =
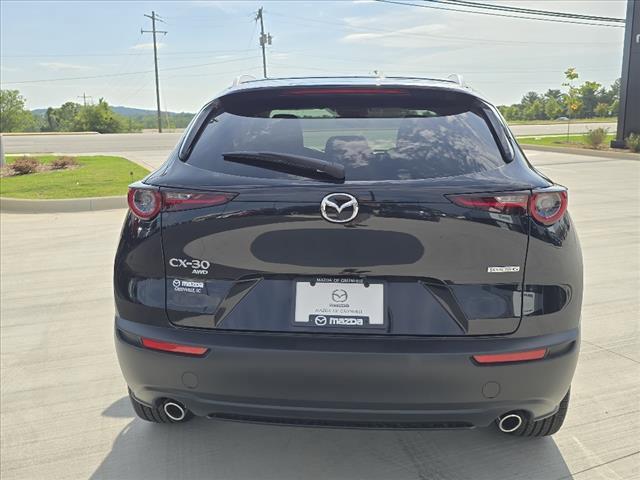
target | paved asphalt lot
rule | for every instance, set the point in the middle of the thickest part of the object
(64, 411)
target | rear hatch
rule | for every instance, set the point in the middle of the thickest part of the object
(424, 235)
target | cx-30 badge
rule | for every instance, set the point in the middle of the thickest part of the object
(339, 207)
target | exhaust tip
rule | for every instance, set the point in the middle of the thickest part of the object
(510, 422)
(174, 411)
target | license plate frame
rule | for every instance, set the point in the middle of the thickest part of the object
(315, 306)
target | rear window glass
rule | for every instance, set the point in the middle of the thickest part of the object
(375, 137)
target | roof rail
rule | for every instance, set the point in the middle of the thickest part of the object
(242, 79)
(457, 78)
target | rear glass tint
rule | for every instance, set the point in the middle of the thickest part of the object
(375, 137)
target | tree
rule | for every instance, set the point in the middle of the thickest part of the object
(14, 117)
(602, 110)
(615, 107)
(586, 100)
(535, 110)
(99, 118)
(62, 119)
(553, 108)
(611, 94)
(571, 99)
(589, 98)
(511, 112)
(67, 114)
(555, 94)
(529, 98)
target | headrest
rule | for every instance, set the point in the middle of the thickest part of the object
(278, 134)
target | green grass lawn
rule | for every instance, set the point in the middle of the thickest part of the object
(97, 176)
(576, 140)
(564, 122)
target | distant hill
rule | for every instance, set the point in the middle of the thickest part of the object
(140, 118)
(125, 112)
(138, 112)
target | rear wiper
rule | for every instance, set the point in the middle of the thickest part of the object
(288, 163)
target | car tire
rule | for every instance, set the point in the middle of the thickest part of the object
(546, 426)
(155, 414)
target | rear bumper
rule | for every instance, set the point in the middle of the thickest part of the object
(348, 381)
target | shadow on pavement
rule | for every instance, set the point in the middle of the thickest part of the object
(215, 449)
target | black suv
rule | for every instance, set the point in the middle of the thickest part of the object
(349, 252)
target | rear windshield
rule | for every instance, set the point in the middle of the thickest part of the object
(400, 136)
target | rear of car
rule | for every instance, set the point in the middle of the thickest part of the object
(350, 253)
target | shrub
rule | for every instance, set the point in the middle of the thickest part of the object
(596, 137)
(633, 142)
(61, 163)
(25, 165)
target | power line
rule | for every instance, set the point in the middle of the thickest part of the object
(330, 71)
(529, 11)
(55, 55)
(394, 2)
(488, 41)
(385, 64)
(108, 75)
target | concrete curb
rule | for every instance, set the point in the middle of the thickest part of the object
(583, 151)
(42, 134)
(20, 205)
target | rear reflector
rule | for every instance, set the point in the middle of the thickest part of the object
(511, 357)
(173, 347)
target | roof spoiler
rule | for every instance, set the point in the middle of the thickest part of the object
(242, 79)
(457, 78)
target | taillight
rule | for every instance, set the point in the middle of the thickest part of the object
(146, 203)
(545, 207)
(176, 200)
(501, 203)
(173, 347)
(548, 207)
(511, 357)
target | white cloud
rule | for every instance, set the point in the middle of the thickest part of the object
(225, 7)
(147, 46)
(410, 37)
(63, 66)
(279, 56)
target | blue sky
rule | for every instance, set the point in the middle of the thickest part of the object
(46, 45)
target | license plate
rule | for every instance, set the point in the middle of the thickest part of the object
(340, 303)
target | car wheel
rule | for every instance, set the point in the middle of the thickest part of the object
(546, 426)
(167, 412)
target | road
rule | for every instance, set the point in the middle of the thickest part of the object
(140, 147)
(65, 413)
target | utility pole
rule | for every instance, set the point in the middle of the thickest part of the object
(265, 39)
(629, 114)
(84, 97)
(153, 30)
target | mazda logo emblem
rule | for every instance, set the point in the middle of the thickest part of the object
(339, 296)
(339, 207)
